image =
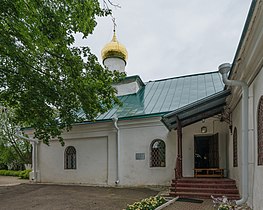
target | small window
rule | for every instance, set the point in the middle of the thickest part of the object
(70, 158)
(260, 131)
(158, 153)
(235, 160)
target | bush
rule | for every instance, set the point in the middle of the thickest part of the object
(147, 204)
(9, 173)
(22, 174)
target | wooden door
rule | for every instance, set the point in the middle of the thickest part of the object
(214, 152)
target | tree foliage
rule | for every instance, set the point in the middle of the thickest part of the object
(43, 77)
(14, 152)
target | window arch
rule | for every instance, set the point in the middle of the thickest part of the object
(235, 159)
(70, 158)
(260, 131)
(157, 153)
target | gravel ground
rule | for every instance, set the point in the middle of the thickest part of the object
(55, 197)
(17, 194)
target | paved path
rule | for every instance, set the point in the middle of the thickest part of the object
(66, 197)
(206, 205)
(51, 197)
(11, 180)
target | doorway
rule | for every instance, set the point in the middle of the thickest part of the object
(206, 151)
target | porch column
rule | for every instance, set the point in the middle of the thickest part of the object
(179, 163)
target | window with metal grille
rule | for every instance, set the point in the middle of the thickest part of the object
(70, 158)
(157, 153)
(260, 131)
(235, 160)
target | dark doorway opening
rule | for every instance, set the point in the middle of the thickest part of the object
(206, 151)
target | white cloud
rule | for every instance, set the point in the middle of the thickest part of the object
(173, 37)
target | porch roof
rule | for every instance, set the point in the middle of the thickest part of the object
(196, 111)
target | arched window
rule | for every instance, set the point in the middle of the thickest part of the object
(70, 158)
(157, 153)
(260, 131)
(235, 160)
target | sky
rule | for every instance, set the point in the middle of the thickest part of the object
(172, 38)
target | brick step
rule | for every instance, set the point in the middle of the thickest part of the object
(205, 185)
(203, 180)
(203, 195)
(206, 190)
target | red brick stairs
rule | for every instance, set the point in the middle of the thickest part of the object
(204, 188)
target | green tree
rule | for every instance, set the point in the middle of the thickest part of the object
(43, 77)
(14, 152)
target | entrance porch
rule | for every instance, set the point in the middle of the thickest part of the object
(207, 172)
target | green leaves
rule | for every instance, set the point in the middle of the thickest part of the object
(42, 77)
(14, 152)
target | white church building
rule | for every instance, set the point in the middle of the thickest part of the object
(202, 125)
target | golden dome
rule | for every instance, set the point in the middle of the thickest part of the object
(114, 49)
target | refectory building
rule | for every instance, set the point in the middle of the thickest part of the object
(196, 124)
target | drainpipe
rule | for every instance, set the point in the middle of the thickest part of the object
(115, 121)
(34, 143)
(224, 69)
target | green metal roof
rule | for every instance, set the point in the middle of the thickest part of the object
(196, 111)
(163, 96)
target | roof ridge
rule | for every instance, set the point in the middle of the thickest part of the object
(188, 75)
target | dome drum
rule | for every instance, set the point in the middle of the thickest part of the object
(114, 54)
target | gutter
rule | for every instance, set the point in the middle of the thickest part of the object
(224, 69)
(115, 121)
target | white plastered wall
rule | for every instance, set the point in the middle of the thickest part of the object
(256, 176)
(96, 152)
(255, 184)
(248, 68)
(235, 172)
(127, 88)
(137, 138)
(96, 156)
(113, 64)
